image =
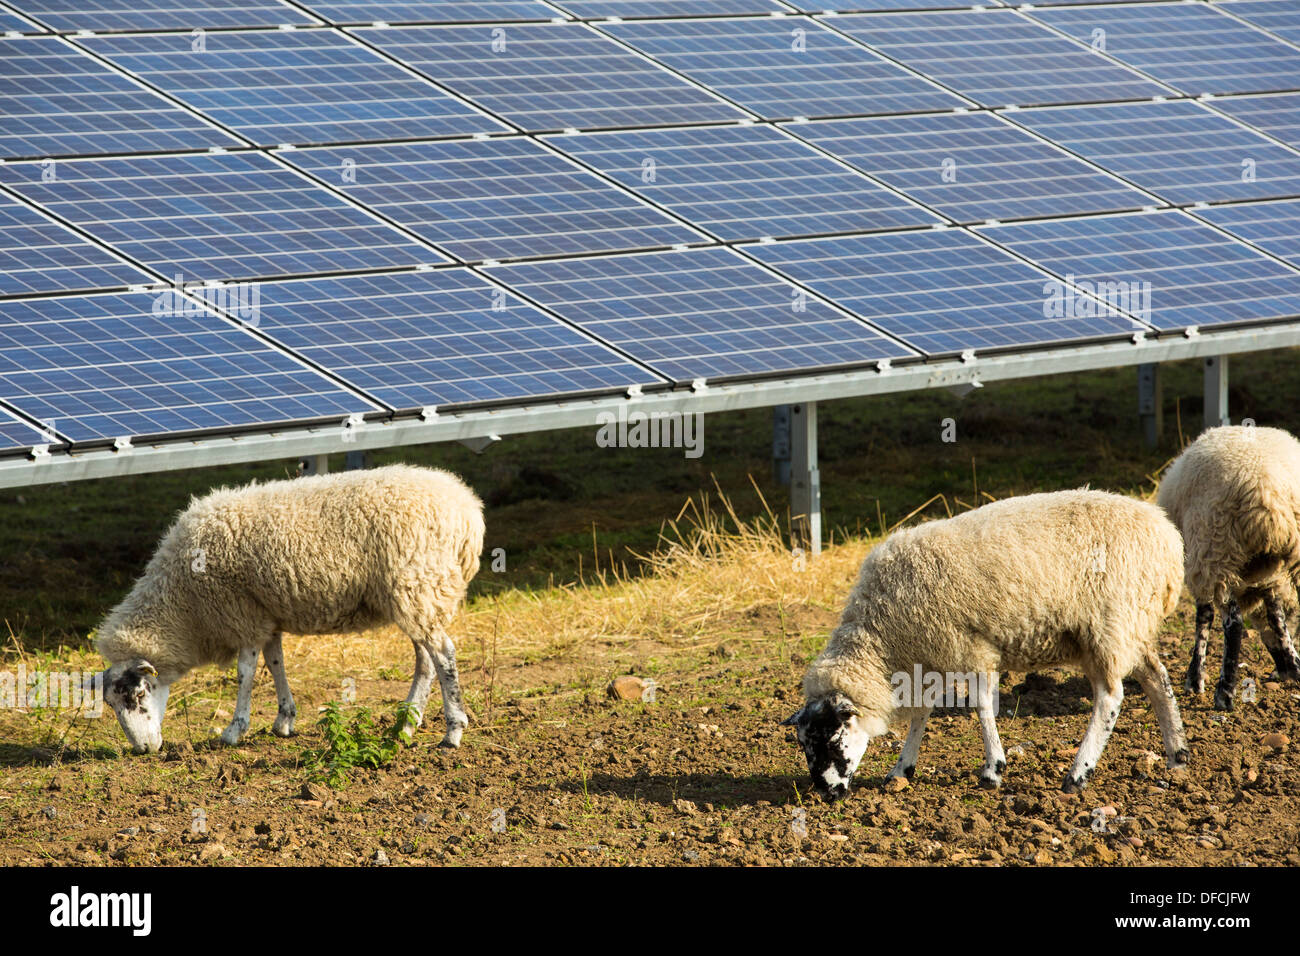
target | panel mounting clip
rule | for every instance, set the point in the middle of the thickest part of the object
(699, 386)
(429, 413)
(40, 453)
(123, 444)
(634, 391)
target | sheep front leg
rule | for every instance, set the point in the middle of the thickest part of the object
(244, 700)
(453, 708)
(995, 760)
(420, 687)
(1196, 668)
(1233, 628)
(1278, 641)
(1160, 691)
(1105, 710)
(287, 711)
(906, 765)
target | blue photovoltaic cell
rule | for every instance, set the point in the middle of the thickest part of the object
(504, 198)
(744, 182)
(1277, 114)
(16, 434)
(447, 337)
(872, 6)
(57, 101)
(1196, 276)
(109, 366)
(997, 58)
(971, 166)
(550, 76)
(1279, 16)
(783, 67)
(11, 22)
(701, 313)
(298, 86)
(38, 255)
(669, 8)
(1191, 47)
(942, 291)
(216, 216)
(1176, 149)
(1273, 226)
(429, 11)
(161, 14)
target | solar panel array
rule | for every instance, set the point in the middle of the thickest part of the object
(235, 214)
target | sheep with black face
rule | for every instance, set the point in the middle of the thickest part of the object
(1069, 579)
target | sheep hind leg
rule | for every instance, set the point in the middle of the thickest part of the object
(421, 684)
(1278, 641)
(906, 765)
(995, 760)
(1195, 682)
(238, 726)
(453, 707)
(1233, 628)
(1106, 703)
(1160, 691)
(287, 710)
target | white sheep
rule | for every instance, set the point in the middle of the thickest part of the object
(1072, 578)
(1234, 493)
(320, 555)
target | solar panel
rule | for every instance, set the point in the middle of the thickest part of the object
(743, 182)
(1278, 16)
(1176, 149)
(941, 291)
(971, 166)
(1192, 47)
(12, 23)
(1194, 276)
(18, 434)
(38, 255)
(668, 8)
(110, 366)
(161, 14)
(216, 216)
(56, 101)
(1277, 114)
(447, 337)
(550, 76)
(297, 86)
(701, 313)
(429, 11)
(881, 6)
(1273, 226)
(997, 57)
(782, 67)
(503, 198)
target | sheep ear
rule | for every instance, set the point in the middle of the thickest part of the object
(144, 667)
(793, 719)
(845, 708)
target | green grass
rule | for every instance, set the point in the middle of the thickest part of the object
(563, 508)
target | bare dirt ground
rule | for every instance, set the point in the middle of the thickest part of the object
(553, 771)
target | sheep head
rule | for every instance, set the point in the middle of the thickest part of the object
(834, 738)
(139, 699)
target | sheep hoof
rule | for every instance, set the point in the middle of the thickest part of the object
(1194, 686)
(232, 735)
(1222, 699)
(282, 729)
(990, 781)
(1072, 786)
(452, 740)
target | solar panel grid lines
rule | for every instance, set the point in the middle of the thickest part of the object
(705, 313)
(886, 6)
(55, 101)
(550, 77)
(399, 12)
(1180, 150)
(123, 15)
(651, 9)
(106, 366)
(16, 434)
(39, 255)
(1276, 115)
(1191, 47)
(1272, 226)
(298, 86)
(493, 199)
(943, 292)
(791, 67)
(1180, 270)
(744, 182)
(227, 216)
(11, 22)
(1278, 17)
(444, 338)
(997, 57)
(972, 166)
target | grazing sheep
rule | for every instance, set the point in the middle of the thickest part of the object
(1079, 578)
(319, 555)
(1234, 493)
